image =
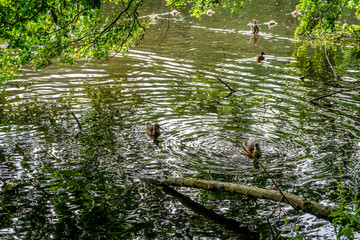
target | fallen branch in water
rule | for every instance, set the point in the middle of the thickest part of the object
(232, 90)
(256, 162)
(228, 223)
(299, 203)
(78, 123)
(278, 188)
(333, 93)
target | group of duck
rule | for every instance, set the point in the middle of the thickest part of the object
(255, 29)
(251, 149)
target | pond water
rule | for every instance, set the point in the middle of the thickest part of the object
(57, 183)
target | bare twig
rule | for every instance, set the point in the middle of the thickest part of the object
(111, 25)
(108, 28)
(327, 58)
(268, 218)
(232, 90)
(333, 93)
(273, 181)
(166, 31)
(78, 123)
(130, 30)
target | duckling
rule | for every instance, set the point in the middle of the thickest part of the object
(255, 29)
(252, 150)
(174, 12)
(295, 13)
(153, 129)
(154, 17)
(260, 57)
(272, 23)
(210, 12)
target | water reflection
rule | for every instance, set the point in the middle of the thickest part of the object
(57, 186)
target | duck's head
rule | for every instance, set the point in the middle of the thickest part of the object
(156, 127)
(257, 152)
(153, 129)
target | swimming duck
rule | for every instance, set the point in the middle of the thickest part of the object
(295, 13)
(252, 150)
(154, 17)
(153, 129)
(272, 23)
(255, 29)
(210, 12)
(260, 57)
(174, 13)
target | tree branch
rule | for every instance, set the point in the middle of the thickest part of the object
(228, 223)
(113, 22)
(278, 188)
(333, 93)
(28, 18)
(74, 18)
(232, 90)
(166, 31)
(78, 123)
(300, 203)
(327, 58)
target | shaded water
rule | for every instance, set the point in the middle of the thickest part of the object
(56, 186)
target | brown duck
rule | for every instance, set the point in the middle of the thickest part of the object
(260, 57)
(255, 29)
(153, 129)
(252, 149)
(272, 23)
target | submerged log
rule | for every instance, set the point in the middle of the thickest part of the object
(230, 224)
(299, 203)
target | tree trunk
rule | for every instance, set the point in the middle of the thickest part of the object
(299, 203)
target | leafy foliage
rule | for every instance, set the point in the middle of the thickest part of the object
(323, 17)
(340, 228)
(36, 32)
(321, 61)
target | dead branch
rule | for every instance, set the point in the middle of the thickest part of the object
(299, 203)
(333, 93)
(231, 90)
(228, 223)
(166, 31)
(327, 58)
(78, 123)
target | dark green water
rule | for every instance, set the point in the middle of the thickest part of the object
(56, 186)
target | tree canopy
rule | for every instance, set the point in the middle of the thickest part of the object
(324, 17)
(38, 32)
